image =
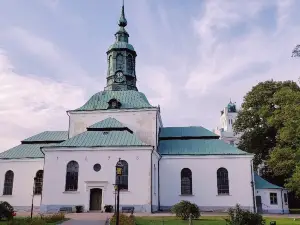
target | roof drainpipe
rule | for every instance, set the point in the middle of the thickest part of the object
(252, 186)
(151, 179)
(158, 184)
(282, 202)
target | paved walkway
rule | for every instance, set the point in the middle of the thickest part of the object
(84, 222)
(92, 218)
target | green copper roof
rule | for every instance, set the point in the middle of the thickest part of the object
(30, 147)
(121, 45)
(198, 147)
(128, 99)
(261, 183)
(108, 123)
(24, 151)
(103, 139)
(177, 132)
(48, 136)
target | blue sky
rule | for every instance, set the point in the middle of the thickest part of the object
(193, 56)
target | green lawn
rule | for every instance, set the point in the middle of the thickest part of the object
(205, 220)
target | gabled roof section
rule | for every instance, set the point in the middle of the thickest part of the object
(198, 147)
(128, 100)
(47, 137)
(261, 183)
(30, 147)
(24, 151)
(193, 132)
(109, 124)
(103, 139)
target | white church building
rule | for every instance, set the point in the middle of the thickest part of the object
(162, 165)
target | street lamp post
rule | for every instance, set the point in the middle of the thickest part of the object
(119, 173)
(116, 188)
(33, 192)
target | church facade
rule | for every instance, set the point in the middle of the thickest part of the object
(162, 165)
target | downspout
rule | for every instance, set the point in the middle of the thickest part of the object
(282, 202)
(252, 186)
(43, 179)
(158, 184)
(151, 179)
(158, 177)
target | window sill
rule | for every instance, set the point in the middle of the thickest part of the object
(6, 195)
(221, 195)
(187, 195)
(71, 192)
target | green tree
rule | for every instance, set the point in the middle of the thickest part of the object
(253, 120)
(269, 121)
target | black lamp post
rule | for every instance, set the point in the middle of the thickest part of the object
(33, 192)
(119, 173)
(116, 188)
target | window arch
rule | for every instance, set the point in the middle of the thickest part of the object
(8, 183)
(222, 181)
(72, 176)
(38, 183)
(130, 64)
(123, 177)
(120, 62)
(110, 63)
(186, 182)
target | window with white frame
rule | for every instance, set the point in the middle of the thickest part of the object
(273, 199)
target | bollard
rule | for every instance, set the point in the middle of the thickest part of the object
(273, 223)
(190, 219)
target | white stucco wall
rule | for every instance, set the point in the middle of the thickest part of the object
(141, 122)
(280, 207)
(24, 173)
(139, 181)
(204, 181)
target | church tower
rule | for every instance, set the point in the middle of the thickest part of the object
(121, 61)
(228, 117)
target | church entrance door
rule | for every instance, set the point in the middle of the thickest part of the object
(95, 199)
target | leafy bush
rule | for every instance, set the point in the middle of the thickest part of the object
(108, 208)
(6, 210)
(183, 210)
(238, 216)
(124, 219)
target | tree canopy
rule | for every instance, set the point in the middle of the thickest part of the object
(269, 123)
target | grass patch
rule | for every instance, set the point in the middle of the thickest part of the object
(204, 220)
(37, 220)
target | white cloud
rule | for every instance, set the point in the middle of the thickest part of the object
(53, 56)
(32, 104)
(232, 65)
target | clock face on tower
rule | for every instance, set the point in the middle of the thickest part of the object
(119, 77)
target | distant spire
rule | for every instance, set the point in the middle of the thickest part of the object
(122, 20)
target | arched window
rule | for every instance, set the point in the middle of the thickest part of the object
(109, 64)
(123, 178)
(72, 176)
(130, 64)
(222, 181)
(8, 183)
(186, 182)
(38, 183)
(120, 62)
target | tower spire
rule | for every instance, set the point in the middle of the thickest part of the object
(122, 20)
(121, 60)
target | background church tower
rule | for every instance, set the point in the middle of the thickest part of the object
(121, 60)
(227, 119)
